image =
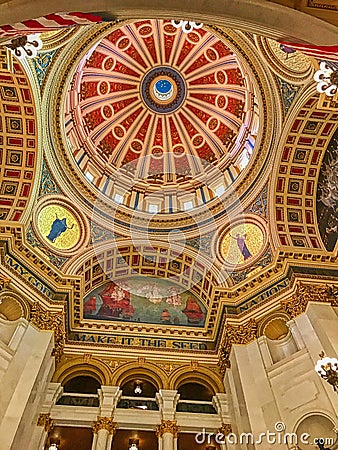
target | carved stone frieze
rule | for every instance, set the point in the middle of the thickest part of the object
(297, 303)
(104, 423)
(167, 426)
(46, 320)
(241, 334)
(44, 420)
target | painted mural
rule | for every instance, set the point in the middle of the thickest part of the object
(327, 195)
(146, 300)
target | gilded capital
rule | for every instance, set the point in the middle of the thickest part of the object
(44, 420)
(167, 426)
(241, 334)
(46, 320)
(4, 282)
(225, 429)
(104, 423)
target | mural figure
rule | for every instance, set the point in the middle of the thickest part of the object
(154, 294)
(240, 239)
(165, 316)
(59, 226)
(193, 311)
(90, 305)
(174, 297)
(327, 195)
(116, 302)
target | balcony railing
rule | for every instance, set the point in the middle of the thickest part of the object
(75, 399)
(195, 406)
(138, 403)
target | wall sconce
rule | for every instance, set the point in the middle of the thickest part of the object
(327, 368)
(210, 447)
(133, 444)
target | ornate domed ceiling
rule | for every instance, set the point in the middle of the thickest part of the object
(167, 109)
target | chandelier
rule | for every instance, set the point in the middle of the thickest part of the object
(25, 46)
(327, 368)
(186, 25)
(327, 79)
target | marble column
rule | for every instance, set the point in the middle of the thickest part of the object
(104, 429)
(167, 433)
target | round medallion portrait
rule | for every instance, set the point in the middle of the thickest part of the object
(58, 226)
(242, 244)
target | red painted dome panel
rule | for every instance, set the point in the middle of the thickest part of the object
(157, 99)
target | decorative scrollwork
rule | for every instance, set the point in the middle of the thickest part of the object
(304, 293)
(225, 429)
(45, 421)
(104, 423)
(167, 426)
(45, 320)
(4, 282)
(242, 334)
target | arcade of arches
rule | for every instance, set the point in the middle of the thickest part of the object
(168, 228)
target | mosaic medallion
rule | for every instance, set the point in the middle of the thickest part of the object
(59, 227)
(242, 244)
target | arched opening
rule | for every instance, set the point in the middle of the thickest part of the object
(196, 398)
(138, 393)
(80, 391)
(82, 385)
(195, 391)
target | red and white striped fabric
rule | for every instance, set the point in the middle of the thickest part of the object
(51, 22)
(325, 53)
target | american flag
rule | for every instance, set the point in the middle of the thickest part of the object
(50, 22)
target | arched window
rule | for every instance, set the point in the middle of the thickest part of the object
(82, 385)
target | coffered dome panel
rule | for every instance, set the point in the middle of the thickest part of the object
(162, 107)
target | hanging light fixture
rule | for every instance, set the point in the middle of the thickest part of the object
(186, 25)
(327, 368)
(327, 79)
(53, 447)
(138, 387)
(133, 444)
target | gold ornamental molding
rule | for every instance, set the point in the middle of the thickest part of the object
(167, 426)
(45, 421)
(4, 282)
(104, 423)
(48, 321)
(297, 303)
(241, 334)
(225, 429)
